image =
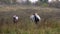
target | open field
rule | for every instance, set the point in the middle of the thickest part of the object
(50, 23)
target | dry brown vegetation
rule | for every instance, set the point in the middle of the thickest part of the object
(50, 23)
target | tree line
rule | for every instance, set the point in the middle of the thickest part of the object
(14, 1)
(39, 3)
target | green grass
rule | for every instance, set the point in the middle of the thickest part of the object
(51, 25)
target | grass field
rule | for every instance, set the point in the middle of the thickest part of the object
(50, 23)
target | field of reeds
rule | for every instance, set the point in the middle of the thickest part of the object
(49, 24)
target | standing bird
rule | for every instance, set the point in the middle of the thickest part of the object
(15, 18)
(35, 17)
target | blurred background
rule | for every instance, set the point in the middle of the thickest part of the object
(48, 10)
(46, 3)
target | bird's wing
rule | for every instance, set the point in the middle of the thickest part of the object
(32, 17)
(38, 17)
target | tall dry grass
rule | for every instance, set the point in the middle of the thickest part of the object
(50, 23)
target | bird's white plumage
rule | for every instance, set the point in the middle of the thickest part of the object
(38, 16)
(33, 18)
(16, 17)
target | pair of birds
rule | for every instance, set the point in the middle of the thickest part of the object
(35, 18)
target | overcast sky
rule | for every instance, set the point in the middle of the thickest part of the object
(33, 1)
(52, 0)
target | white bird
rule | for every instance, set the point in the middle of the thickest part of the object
(35, 17)
(15, 18)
